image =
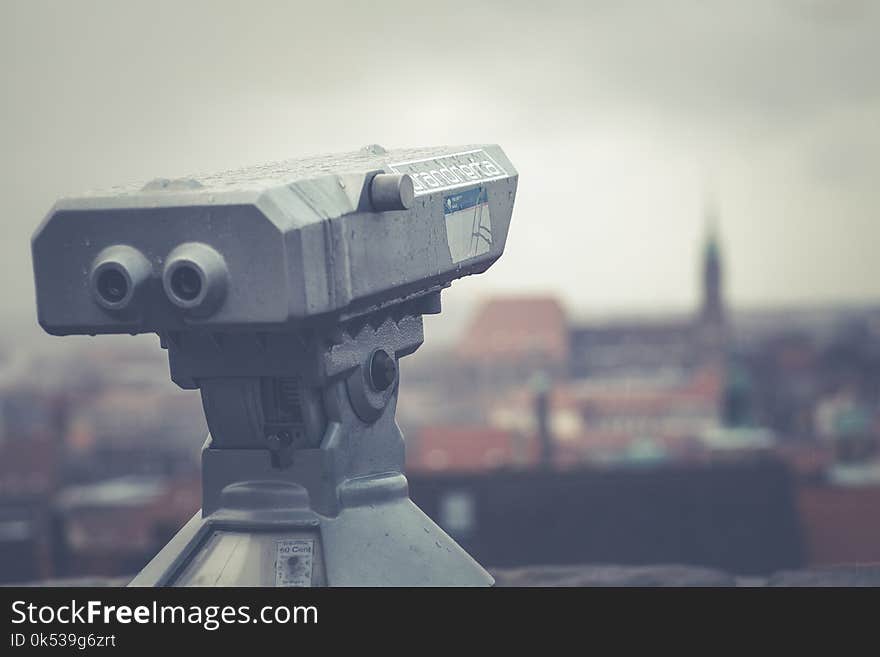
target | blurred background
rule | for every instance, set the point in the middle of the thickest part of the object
(677, 360)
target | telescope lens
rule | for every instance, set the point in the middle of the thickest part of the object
(194, 279)
(186, 283)
(112, 285)
(118, 273)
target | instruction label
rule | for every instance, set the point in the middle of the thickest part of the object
(293, 562)
(468, 224)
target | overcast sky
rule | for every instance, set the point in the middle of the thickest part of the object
(619, 116)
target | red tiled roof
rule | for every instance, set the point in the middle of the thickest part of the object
(511, 328)
(839, 523)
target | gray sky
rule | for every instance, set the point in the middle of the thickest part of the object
(618, 115)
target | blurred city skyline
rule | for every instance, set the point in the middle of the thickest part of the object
(624, 120)
(617, 389)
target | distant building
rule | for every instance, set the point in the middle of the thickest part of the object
(838, 522)
(632, 348)
(712, 311)
(642, 346)
(455, 448)
(621, 420)
(648, 389)
(626, 390)
(511, 338)
(125, 429)
(32, 425)
(115, 526)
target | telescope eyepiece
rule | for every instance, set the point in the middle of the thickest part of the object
(195, 278)
(117, 275)
(112, 285)
(186, 282)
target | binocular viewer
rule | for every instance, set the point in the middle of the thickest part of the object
(287, 294)
(271, 248)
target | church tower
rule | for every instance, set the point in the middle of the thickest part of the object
(712, 309)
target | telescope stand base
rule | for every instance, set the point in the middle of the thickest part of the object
(392, 543)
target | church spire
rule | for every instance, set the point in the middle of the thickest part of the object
(712, 311)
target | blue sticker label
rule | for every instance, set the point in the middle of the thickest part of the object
(464, 200)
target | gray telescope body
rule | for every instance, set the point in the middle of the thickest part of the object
(287, 294)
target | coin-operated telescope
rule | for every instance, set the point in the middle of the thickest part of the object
(287, 294)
